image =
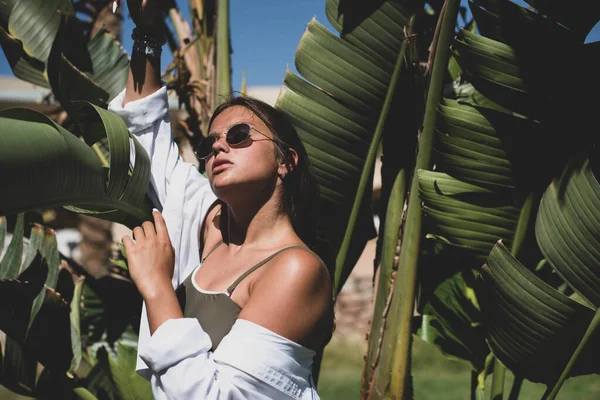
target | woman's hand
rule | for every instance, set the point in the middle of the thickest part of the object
(151, 257)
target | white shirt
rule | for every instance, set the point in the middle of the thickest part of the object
(251, 362)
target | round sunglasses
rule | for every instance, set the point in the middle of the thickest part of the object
(235, 136)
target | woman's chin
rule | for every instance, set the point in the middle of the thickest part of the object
(223, 185)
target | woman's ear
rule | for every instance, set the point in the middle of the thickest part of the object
(287, 166)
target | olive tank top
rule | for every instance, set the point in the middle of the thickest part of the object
(215, 311)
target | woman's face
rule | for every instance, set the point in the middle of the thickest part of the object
(251, 165)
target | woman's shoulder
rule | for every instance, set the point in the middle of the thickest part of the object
(297, 265)
(293, 298)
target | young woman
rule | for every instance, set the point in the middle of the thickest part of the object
(235, 304)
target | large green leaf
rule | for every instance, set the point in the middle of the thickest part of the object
(49, 251)
(451, 316)
(23, 66)
(36, 240)
(494, 70)
(36, 22)
(47, 166)
(349, 15)
(336, 109)
(465, 215)
(533, 328)
(32, 313)
(475, 144)
(109, 62)
(11, 262)
(130, 385)
(99, 381)
(568, 230)
(95, 71)
(68, 82)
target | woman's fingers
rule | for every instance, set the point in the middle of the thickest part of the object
(160, 225)
(127, 242)
(138, 233)
(149, 230)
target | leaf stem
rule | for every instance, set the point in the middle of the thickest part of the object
(396, 370)
(389, 262)
(497, 391)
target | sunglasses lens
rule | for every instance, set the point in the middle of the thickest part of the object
(205, 147)
(238, 133)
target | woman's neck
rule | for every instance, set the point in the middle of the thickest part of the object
(256, 223)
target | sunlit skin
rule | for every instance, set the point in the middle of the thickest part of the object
(276, 296)
(291, 295)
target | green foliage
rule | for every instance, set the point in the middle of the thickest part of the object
(84, 183)
(130, 385)
(335, 111)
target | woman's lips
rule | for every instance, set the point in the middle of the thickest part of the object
(220, 165)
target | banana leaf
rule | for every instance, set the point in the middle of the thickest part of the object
(533, 329)
(23, 66)
(491, 147)
(36, 22)
(33, 314)
(568, 230)
(130, 385)
(94, 70)
(110, 65)
(67, 81)
(46, 166)
(352, 13)
(451, 317)
(464, 215)
(336, 107)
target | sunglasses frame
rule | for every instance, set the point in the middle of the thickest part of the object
(215, 136)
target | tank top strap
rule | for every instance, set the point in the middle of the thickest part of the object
(231, 288)
(210, 252)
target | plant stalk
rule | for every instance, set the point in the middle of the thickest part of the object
(591, 330)
(368, 168)
(394, 371)
(223, 67)
(476, 389)
(388, 265)
(497, 391)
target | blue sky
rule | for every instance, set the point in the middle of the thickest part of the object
(264, 35)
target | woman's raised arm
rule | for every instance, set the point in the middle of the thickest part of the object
(144, 74)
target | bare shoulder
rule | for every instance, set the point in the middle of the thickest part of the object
(293, 298)
(298, 268)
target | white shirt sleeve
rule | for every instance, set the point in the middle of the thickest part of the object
(176, 187)
(251, 362)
